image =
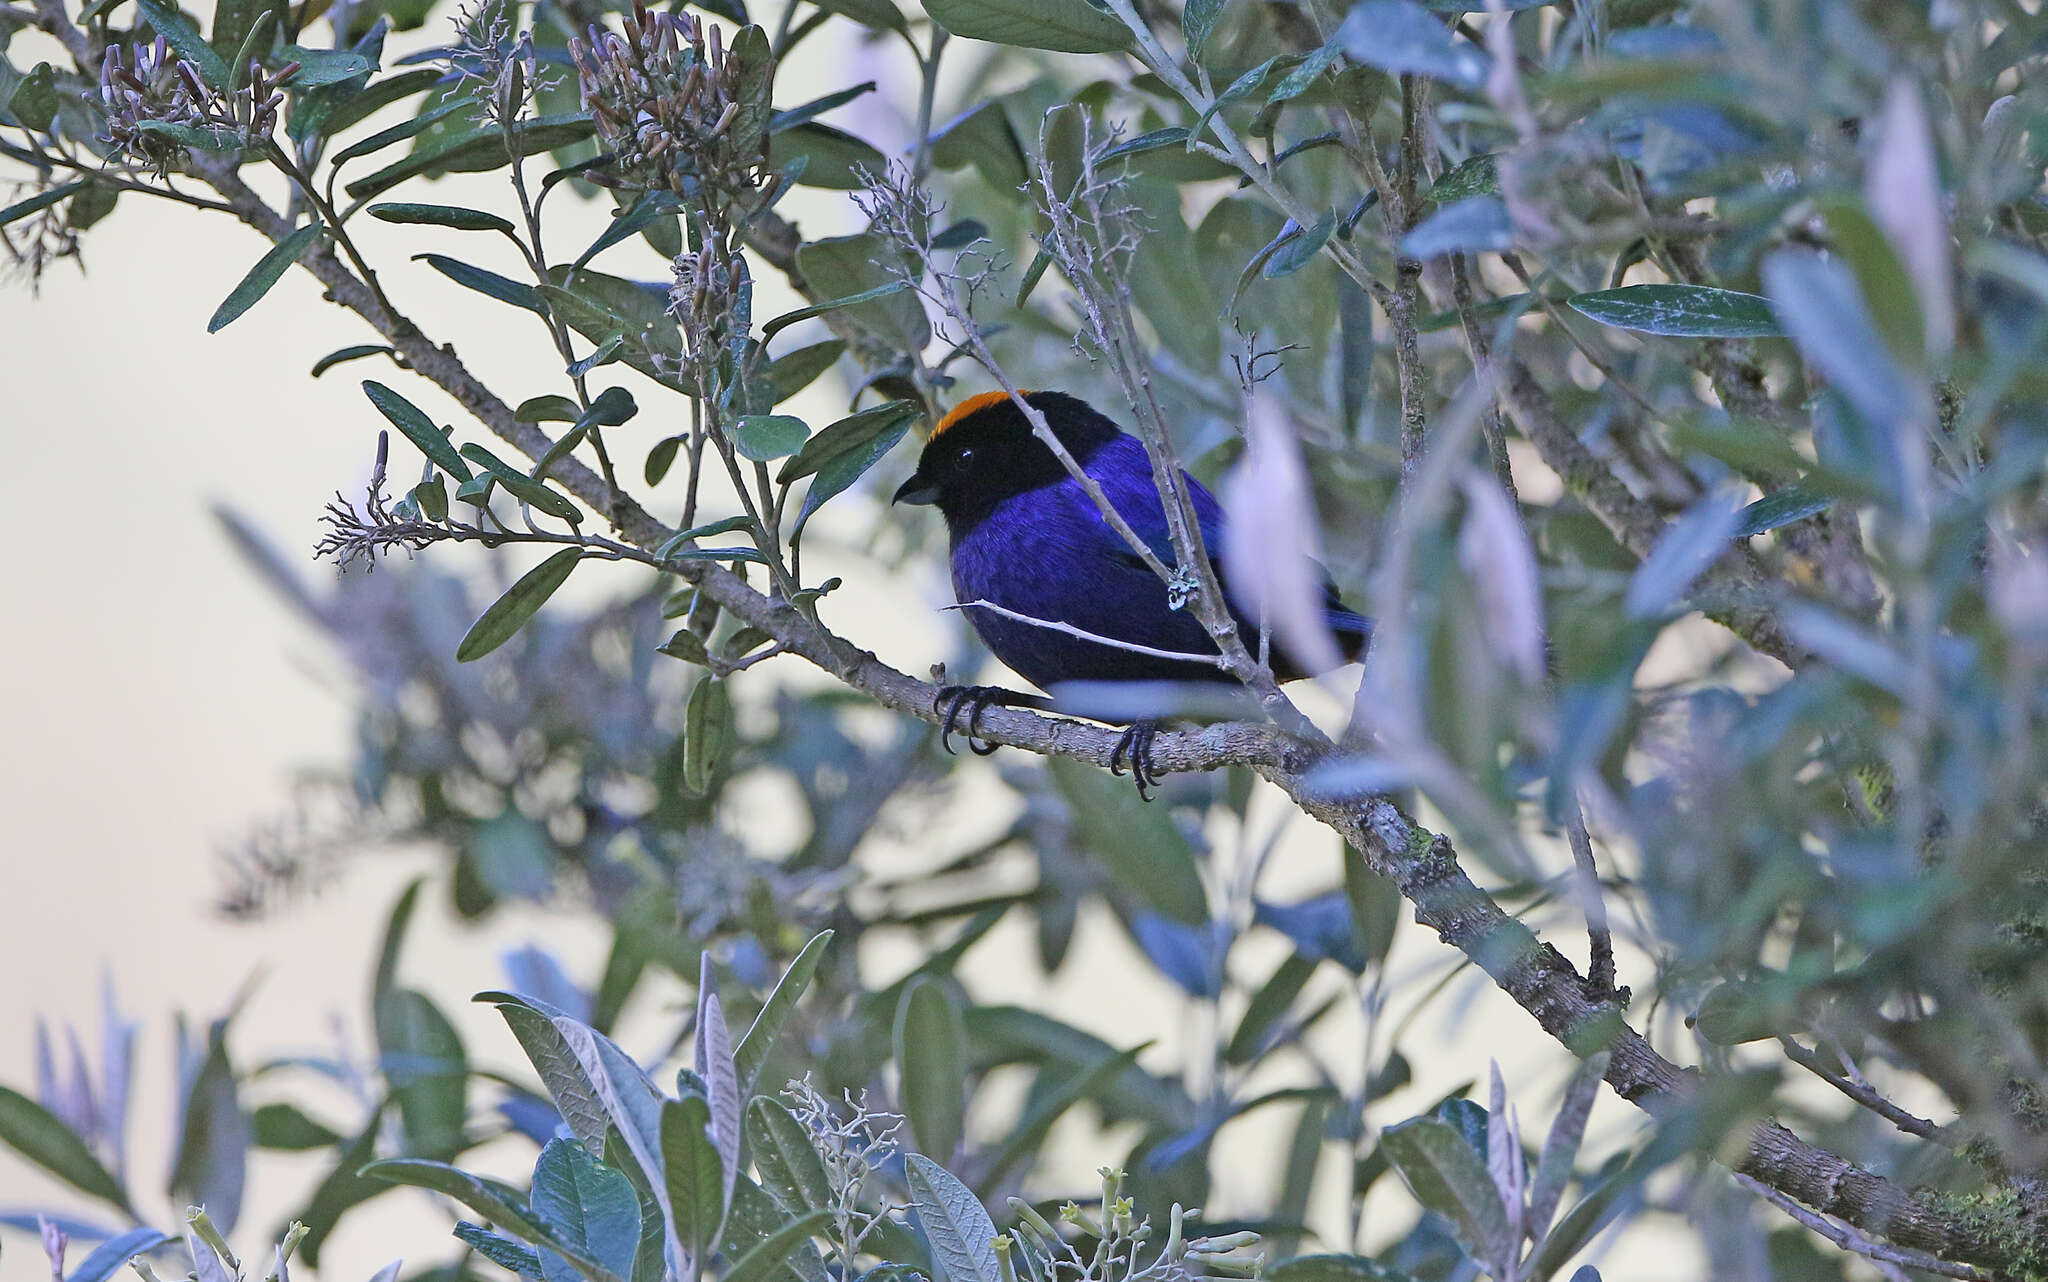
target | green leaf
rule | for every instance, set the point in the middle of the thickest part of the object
(329, 110)
(34, 1132)
(1448, 1177)
(695, 1175)
(263, 275)
(1745, 1010)
(590, 1206)
(417, 428)
(676, 543)
(1336, 1268)
(1142, 849)
(499, 1203)
(958, 1226)
(1473, 225)
(1267, 1006)
(441, 216)
(983, 139)
(341, 1188)
(1680, 311)
(509, 612)
(707, 734)
(1823, 307)
(523, 487)
(284, 1125)
(1198, 23)
(792, 372)
(1474, 176)
(555, 1060)
(325, 66)
(35, 99)
(1402, 37)
(832, 158)
(1029, 1134)
(794, 116)
(790, 1167)
(784, 321)
(475, 151)
(1296, 251)
(603, 354)
(21, 209)
(598, 306)
(764, 437)
(882, 15)
(849, 266)
(628, 222)
(211, 1165)
(931, 1057)
(182, 34)
(425, 1066)
(548, 409)
(759, 1040)
(767, 1257)
(756, 1217)
(354, 353)
(661, 458)
(712, 1058)
(243, 29)
(1063, 26)
(838, 455)
(499, 1250)
(112, 1255)
(399, 132)
(1784, 507)
(490, 284)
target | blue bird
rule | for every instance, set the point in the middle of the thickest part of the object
(1025, 536)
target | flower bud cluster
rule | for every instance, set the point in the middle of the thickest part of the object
(157, 105)
(712, 302)
(676, 108)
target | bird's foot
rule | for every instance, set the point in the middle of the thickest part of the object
(975, 700)
(1136, 747)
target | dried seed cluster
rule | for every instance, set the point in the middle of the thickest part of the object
(679, 110)
(157, 105)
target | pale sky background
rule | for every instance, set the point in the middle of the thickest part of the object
(159, 701)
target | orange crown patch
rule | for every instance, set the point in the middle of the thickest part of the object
(974, 405)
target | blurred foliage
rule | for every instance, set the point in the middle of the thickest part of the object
(1589, 319)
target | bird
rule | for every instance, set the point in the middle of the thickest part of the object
(1025, 536)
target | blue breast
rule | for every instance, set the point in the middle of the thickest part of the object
(1048, 554)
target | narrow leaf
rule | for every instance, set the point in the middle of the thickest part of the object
(958, 1226)
(519, 603)
(1680, 311)
(455, 216)
(931, 1057)
(34, 1132)
(263, 275)
(775, 1012)
(490, 284)
(417, 428)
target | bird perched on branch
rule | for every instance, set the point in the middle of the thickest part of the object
(1056, 592)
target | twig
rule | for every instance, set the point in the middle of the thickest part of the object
(1599, 940)
(1850, 1240)
(1863, 1093)
(1054, 625)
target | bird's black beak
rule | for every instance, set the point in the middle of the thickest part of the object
(917, 491)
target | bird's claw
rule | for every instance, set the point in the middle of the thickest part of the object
(1136, 747)
(974, 700)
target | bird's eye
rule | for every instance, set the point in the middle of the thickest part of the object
(963, 460)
